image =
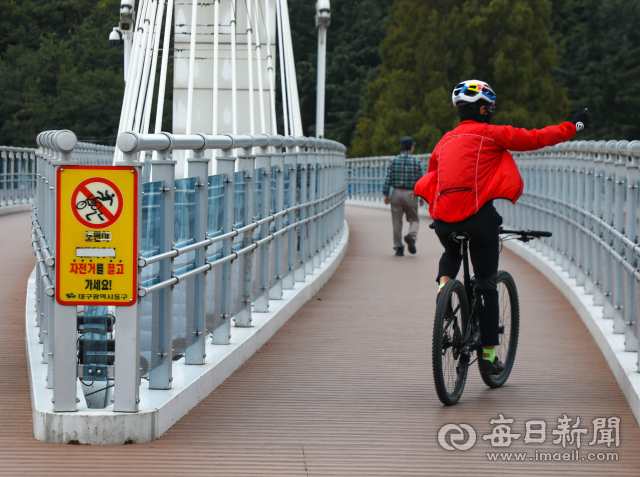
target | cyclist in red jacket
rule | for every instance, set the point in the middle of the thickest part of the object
(468, 168)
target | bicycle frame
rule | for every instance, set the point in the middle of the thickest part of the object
(464, 243)
(470, 343)
(463, 240)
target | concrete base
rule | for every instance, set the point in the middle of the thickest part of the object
(13, 209)
(159, 410)
(623, 364)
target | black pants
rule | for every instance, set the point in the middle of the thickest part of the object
(483, 228)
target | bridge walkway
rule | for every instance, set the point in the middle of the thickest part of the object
(345, 387)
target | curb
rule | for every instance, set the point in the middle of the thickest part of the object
(14, 209)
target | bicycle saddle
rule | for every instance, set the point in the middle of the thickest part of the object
(459, 237)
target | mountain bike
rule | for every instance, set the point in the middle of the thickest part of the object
(456, 328)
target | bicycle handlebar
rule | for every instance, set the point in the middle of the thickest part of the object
(527, 233)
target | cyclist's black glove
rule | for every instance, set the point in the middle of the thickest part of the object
(582, 119)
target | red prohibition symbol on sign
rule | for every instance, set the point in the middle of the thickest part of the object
(97, 203)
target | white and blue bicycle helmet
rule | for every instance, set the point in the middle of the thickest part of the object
(471, 91)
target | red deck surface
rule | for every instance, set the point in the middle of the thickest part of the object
(345, 387)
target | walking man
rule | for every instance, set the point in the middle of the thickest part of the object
(402, 174)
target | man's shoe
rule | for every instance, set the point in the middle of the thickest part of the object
(411, 243)
(400, 252)
(487, 367)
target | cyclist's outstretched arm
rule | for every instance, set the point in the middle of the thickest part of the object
(518, 139)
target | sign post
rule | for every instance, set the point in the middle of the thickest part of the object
(97, 243)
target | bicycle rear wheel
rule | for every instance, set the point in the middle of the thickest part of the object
(509, 329)
(449, 365)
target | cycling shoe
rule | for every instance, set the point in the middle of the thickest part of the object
(487, 367)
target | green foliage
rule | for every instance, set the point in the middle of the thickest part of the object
(599, 42)
(352, 61)
(431, 45)
(57, 70)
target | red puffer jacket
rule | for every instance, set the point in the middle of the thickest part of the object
(471, 165)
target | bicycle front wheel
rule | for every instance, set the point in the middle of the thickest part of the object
(509, 329)
(450, 365)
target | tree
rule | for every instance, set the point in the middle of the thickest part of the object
(352, 61)
(599, 41)
(431, 45)
(57, 70)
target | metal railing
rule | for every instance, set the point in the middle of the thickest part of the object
(366, 176)
(586, 193)
(18, 170)
(268, 217)
(17, 175)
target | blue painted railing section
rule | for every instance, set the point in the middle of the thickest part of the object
(214, 248)
(587, 194)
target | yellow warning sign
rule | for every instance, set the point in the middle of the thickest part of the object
(97, 234)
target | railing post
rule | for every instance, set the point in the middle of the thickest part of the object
(50, 236)
(552, 172)
(607, 275)
(11, 177)
(63, 358)
(589, 177)
(334, 188)
(246, 162)
(290, 167)
(538, 214)
(126, 389)
(160, 377)
(34, 175)
(198, 167)
(19, 177)
(529, 186)
(277, 166)
(225, 164)
(26, 178)
(599, 176)
(572, 245)
(631, 231)
(3, 178)
(322, 205)
(566, 171)
(312, 159)
(31, 164)
(580, 236)
(303, 212)
(324, 187)
(63, 324)
(263, 163)
(620, 196)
